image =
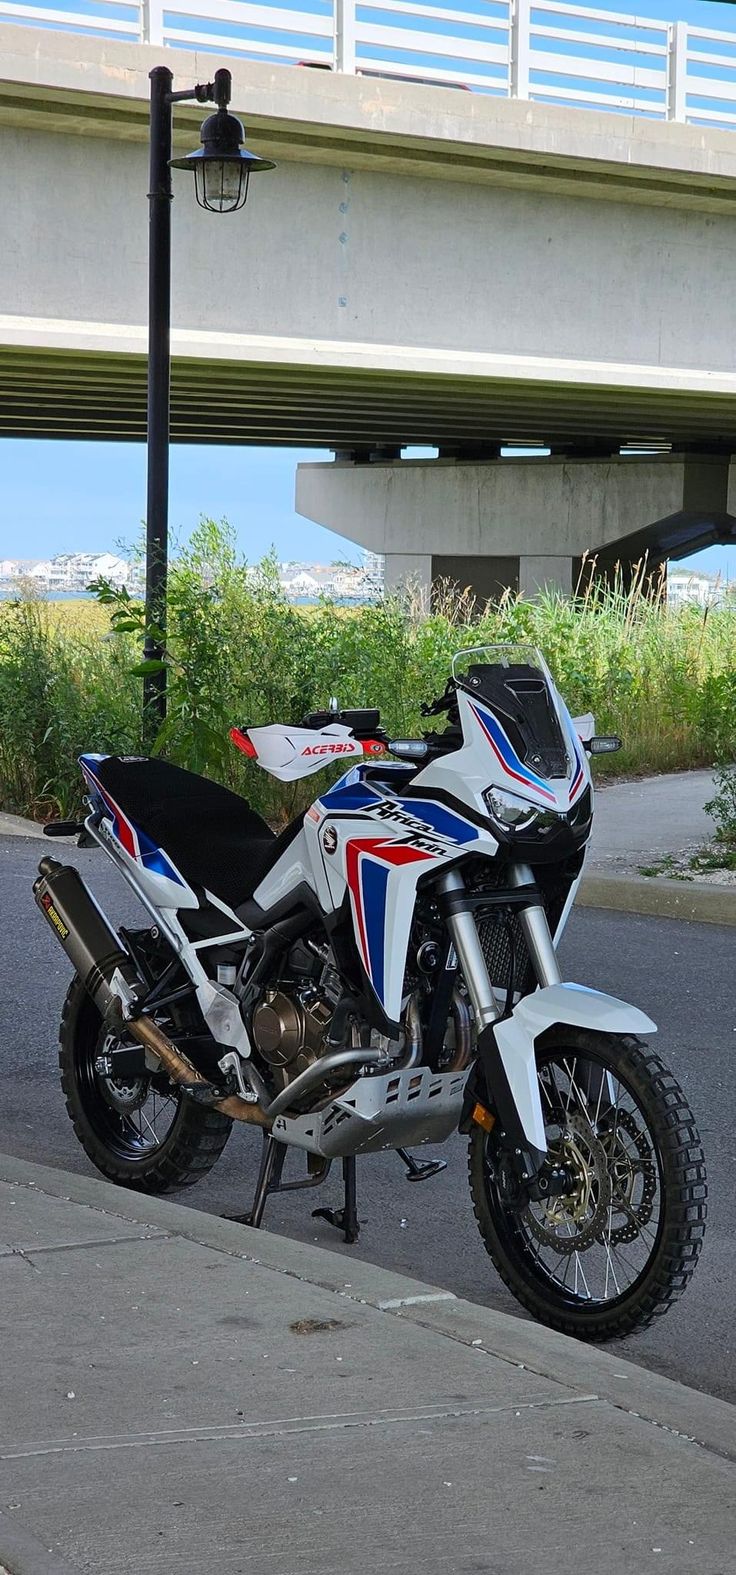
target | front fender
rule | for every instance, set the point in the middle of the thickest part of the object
(516, 1037)
(580, 1007)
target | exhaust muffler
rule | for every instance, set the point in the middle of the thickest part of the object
(89, 941)
(95, 953)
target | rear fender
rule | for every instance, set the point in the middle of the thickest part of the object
(569, 1004)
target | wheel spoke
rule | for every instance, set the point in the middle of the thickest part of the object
(575, 1240)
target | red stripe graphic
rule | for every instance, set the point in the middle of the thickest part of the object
(525, 781)
(396, 853)
(125, 831)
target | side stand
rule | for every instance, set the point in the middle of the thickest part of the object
(273, 1155)
(417, 1172)
(346, 1218)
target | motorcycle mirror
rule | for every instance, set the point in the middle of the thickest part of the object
(603, 745)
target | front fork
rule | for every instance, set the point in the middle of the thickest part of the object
(509, 1072)
(465, 939)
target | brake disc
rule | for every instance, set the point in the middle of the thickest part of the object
(572, 1222)
(123, 1094)
(623, 1176)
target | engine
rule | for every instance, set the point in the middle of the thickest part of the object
(289, 1028)
(291, 1020)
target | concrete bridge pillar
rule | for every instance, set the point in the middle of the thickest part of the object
(486, 576)
(519, 523)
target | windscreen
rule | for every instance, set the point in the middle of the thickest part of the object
(515, 683)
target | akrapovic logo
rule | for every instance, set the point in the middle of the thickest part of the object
(47, 903)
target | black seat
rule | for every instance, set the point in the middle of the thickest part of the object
(213, 836)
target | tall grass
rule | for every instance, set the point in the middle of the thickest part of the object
(238, 652)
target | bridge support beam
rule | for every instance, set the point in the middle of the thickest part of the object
(520, 523)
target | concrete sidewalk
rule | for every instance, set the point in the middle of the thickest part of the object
(180, 1393)
(638, 822)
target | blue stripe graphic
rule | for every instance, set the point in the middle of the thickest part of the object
(440, 819)
(373, 885)
(154, 859)
(348, 795)
(509, 755)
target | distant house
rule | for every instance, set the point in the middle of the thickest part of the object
(74, 571)
(691, 585)
(302, 584)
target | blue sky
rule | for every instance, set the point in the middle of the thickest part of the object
(79, 497)
(83, 496)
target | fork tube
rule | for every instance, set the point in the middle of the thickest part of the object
(464, 934)
(536, 931)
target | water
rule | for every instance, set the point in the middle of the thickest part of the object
(8, 594)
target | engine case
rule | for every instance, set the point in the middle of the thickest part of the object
(289, 1029)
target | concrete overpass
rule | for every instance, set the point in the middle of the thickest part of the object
(522, 523)
(425, 267)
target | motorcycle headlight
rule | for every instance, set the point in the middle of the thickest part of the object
(510, 812)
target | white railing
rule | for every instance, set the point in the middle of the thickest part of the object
(549, 51)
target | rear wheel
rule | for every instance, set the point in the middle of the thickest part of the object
(139, 1132)
(621, 1245)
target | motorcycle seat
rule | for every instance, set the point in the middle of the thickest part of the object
(212, 835)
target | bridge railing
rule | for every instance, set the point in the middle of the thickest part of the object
(545, 50)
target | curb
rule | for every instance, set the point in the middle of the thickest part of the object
(659, 897)
(23, 1553)
(700, 1419)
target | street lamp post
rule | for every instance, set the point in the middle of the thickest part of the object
(222, 168)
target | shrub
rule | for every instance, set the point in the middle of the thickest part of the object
(237, 651)
(722, 806)
(58, 695)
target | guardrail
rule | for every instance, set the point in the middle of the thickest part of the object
(548, 51)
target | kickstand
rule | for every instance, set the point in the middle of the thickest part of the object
(346, 1218)
(273, 1155)
(417, 1172)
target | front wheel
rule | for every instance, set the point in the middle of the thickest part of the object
(620, 1246)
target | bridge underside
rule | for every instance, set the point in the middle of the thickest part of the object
(523, 523)
(101, 395)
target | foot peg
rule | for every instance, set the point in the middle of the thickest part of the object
(417, 1172)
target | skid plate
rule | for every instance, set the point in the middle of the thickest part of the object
(391, 1111)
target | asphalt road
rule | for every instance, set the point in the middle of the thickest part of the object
(681, 974)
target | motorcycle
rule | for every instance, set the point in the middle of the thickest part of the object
(377, 976)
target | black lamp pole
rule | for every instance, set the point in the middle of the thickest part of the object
(159, 378)
(222, 168)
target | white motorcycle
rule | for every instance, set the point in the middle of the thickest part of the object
(380, 974)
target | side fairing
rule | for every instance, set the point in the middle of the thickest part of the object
(293, 869)
(155, 873)
(376, 845)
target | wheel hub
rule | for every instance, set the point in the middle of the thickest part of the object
(122, 1094)
(572, 1221)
